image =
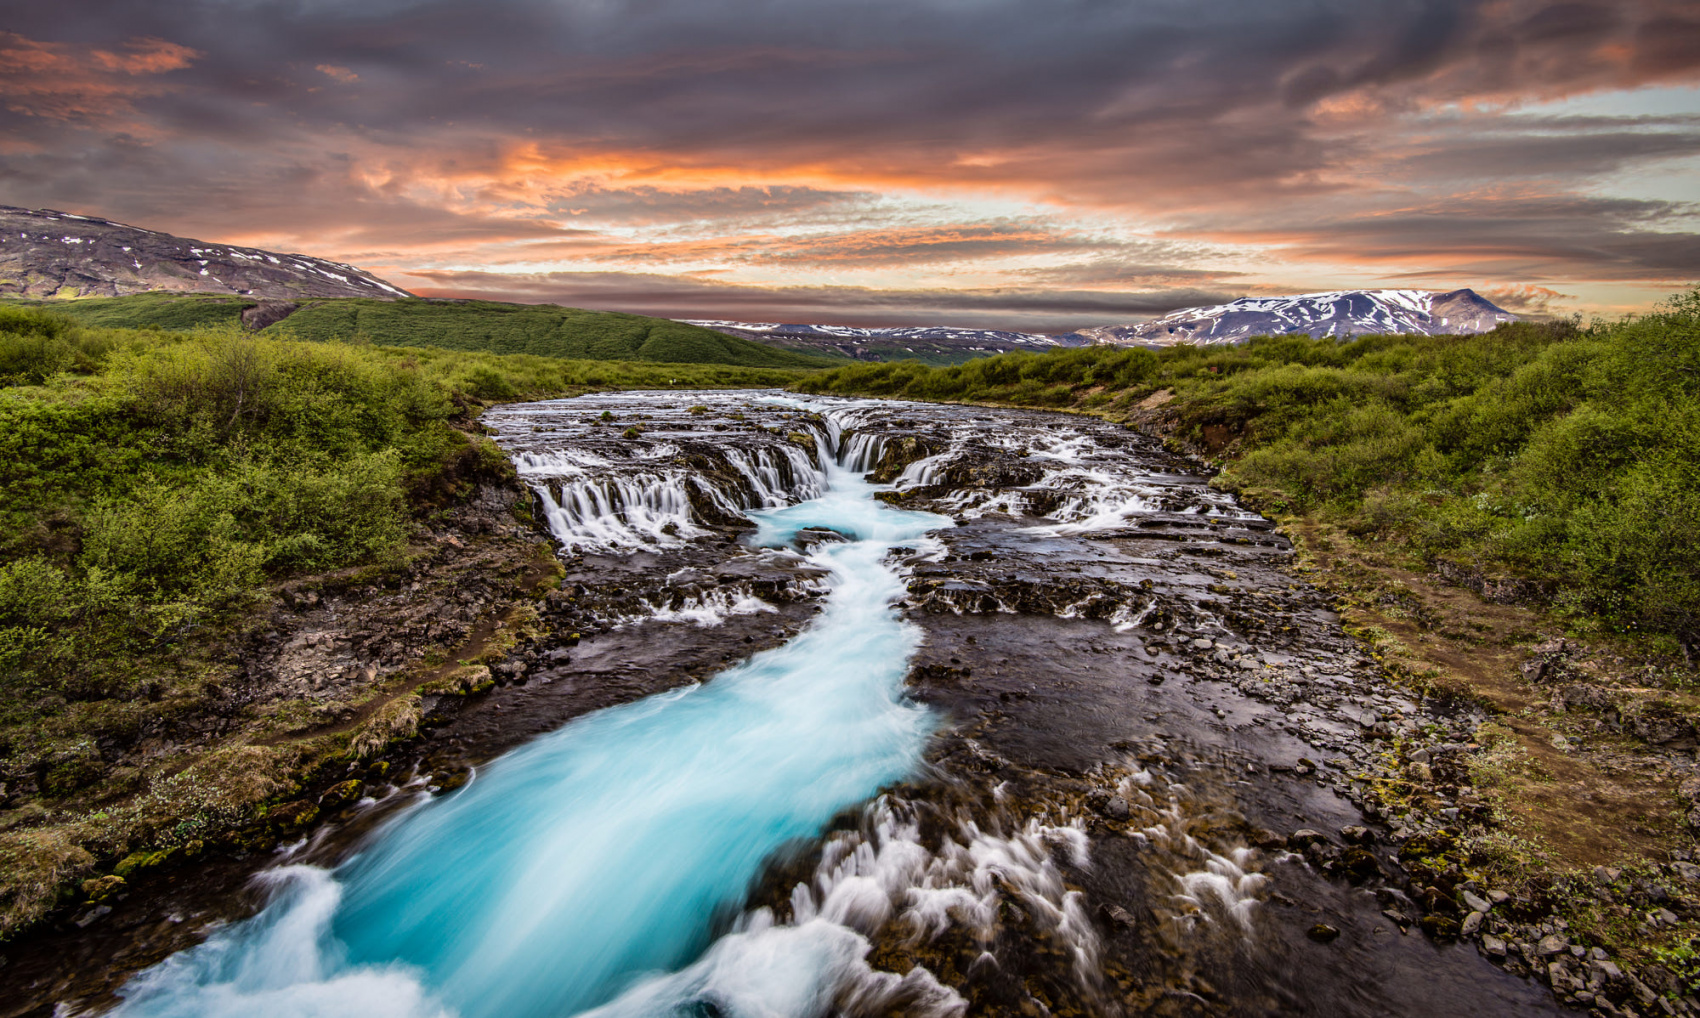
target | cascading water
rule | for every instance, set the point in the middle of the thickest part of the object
(575, 869)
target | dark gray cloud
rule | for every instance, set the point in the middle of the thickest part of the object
(1549, 147)
(882, 84)
(384, 129)
(1509, 237)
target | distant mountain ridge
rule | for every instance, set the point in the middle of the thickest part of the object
(44, 253)
(935, 344)
(1338, 313)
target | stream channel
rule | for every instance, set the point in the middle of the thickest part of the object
(1032, 696)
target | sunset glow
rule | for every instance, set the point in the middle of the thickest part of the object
(1000, 164)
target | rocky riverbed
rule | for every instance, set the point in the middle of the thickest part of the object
(1159, 779)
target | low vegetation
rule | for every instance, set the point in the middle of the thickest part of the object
(1505, 518)
(158, 488)
(1565, 457)
(545, 330)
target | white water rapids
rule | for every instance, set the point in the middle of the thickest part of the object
(585, 870)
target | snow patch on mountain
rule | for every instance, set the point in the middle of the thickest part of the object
(1336, 313)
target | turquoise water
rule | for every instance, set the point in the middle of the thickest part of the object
(591, 862)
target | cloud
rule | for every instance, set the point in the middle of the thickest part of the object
(69, 82)
(1528, 301)
(147, 56)
(1516, 236)
(947, 146)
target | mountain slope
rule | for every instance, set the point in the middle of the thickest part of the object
(1334, 313)
(44, 253)
(932, 344)
(546, 330)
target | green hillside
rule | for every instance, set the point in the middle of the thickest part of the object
(173, 312)
(475, 325)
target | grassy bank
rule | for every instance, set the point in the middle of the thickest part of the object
(1506, 518)
(159, 489)
(1565, 457)
(544, 330)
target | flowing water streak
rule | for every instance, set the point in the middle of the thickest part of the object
(576, 865)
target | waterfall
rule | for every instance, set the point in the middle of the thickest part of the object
(591, 503)
(619, 512)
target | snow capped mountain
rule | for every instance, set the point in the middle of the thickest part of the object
(937, 344)
(44, 253)
(1335, 313)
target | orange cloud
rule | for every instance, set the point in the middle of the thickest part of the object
(61, 81)
(336, 73)
(147, 56)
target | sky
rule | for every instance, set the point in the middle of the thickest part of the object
(1040, 165)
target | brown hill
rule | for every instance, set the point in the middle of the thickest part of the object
(44, 253)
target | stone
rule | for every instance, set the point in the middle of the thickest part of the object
(1562, 980)
(1357, 835)
(1498, 897)
(342, 793)
(1304, 838)
(1494, 946)
(1686, 870)
(1323, 933)
(1475, 902)
(1551, 944)
(1117, 808)
(1360, 864)
(1471, 924)
(1607, 874)
(102, 887)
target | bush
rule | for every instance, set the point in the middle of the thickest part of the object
(1563, 453)
(35, 346)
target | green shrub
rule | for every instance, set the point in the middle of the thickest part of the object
(1558, 452)
(35, 346)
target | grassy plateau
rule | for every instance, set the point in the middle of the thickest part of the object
(545, 330)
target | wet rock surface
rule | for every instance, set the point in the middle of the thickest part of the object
(1146, 791)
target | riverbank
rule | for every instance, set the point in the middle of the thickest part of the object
(1575, 795)
(1155, 731)
(227, 563)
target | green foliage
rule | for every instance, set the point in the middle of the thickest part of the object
(539, 329)
(1563, 454)
(155, 481)
(35, 346)
(175, 312)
